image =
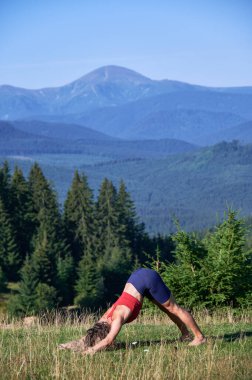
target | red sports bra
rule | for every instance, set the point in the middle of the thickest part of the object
(131, 302)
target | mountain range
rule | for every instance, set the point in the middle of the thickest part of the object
(163, 138)
(122, 103)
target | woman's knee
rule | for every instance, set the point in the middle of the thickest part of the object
(171, 305)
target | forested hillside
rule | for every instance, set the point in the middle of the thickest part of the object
(84, 253)
(195, 187)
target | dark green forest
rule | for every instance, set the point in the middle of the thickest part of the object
(82, 254)
(196, 186)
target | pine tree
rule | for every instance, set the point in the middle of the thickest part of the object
(43, 197)
(133, 230)
(109, 231)
(5, 178)
(9, 258)
(227, 271)
(46, 298)
(21, 213)
(24, 303)
(115, 260)
(48, 243)
(184, 277)
(45, 253)
(79, 216)
(65, 279)
(89, 286)
(115, 267)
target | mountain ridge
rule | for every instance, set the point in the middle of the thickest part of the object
(122, 103)
(106, 86)
(15, 138)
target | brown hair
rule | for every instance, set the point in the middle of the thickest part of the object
(96, 333)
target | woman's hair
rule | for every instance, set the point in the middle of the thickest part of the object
(96, 333)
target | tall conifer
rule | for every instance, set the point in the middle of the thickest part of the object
(44, 257)
(43, 197)
(227, 271)
(89, 286)
(66, 277)
(24, 302)
(109, 231)
(21, 207)
(115, 259)
(185, 274)
(5, 179)
(79, 216)
(9, 258)
(132, 230)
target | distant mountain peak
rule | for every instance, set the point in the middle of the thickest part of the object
(114, 73)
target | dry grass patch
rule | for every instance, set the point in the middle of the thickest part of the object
(32, 352)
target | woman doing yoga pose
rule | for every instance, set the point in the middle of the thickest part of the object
(142, 283)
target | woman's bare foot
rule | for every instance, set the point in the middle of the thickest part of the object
(197, 341)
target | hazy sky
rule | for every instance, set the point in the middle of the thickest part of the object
(47, 43)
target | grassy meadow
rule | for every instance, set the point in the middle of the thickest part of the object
(32, 352)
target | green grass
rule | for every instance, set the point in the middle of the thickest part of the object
(32, 353)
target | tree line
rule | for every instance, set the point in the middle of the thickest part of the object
(80, 255)
(83, 253)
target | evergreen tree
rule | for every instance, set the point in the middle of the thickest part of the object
(46, 252)
(79, 217)
(46, 298)
(48, 241)
(166, 247)
(227, 271)
(89, 287)
(115, 260)
(21, 213)
(109, 231)
(184, 277)
(43, 197)
(132, 229)
(65, 279)
(9, 258)
(5, 178)
(24, 303)
(115, 267)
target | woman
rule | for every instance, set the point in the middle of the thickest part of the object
(143, 282)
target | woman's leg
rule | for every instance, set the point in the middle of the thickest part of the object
(187, 319)
(182, 327)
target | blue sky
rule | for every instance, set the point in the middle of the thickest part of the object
(50, 43)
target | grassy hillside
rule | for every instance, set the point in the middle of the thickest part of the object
(32, 353)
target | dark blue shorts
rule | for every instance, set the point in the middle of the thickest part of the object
(150, 284)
